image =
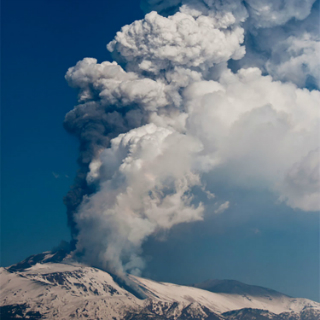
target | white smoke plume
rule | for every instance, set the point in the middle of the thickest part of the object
(171, 109)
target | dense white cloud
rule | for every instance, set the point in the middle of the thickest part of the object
(288, 53)
(159, 43)
(263, 13)
(301, 185)
(287, 46)
(174, 113)
(251, 127)
(296, 59)
(269, 13)
(145, 181)
(114, 86)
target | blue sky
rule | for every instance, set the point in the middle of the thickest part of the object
(40, 41)
(258, 241)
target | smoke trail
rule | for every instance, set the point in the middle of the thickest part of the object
(187, 103)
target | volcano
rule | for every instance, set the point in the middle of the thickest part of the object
(51, 286)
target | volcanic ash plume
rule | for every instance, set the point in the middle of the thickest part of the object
(181, 102)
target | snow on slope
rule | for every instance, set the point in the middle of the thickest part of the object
(222, 302)
(65, 291)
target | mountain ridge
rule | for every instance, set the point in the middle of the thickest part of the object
(39, 288)
(236, 287)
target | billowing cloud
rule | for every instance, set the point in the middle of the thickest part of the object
(269, 13)
(288, 52)
(145, 180)
(173, 110)
(296, 59)
(301, 185)
(158, 44)
(262, 13)
(251, 127)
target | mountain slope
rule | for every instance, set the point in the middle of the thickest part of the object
(236, 287)
(72, 291)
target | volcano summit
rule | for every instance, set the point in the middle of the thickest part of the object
(39, 288)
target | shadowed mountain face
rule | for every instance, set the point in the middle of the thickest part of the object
(48, 286)
(257, 314)
(236, 287)
(44, 257)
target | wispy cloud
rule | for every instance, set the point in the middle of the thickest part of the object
(223, 207)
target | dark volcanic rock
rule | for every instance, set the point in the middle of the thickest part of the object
(167, 311)
(258, 314)
(249, 314)
(45, 257)
(18, 311)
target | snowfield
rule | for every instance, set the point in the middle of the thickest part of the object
(74, 291)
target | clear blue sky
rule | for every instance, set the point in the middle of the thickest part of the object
(257, 241)
(41, 39)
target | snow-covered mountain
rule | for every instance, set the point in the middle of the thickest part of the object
(47, 287)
